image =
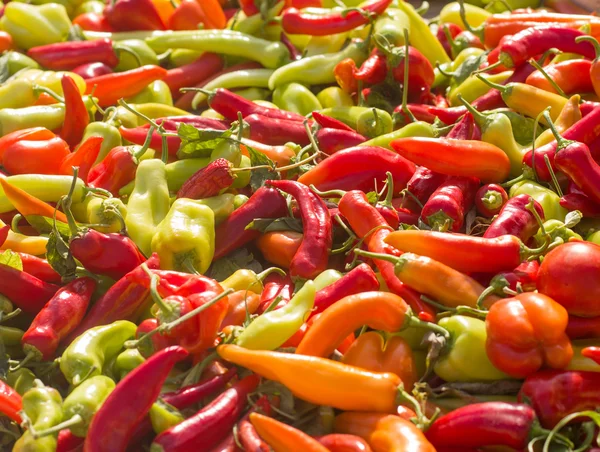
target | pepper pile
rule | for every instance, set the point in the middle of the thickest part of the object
(304, 225)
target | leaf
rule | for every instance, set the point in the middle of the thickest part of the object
(470, 65)
(198, 142)
(259, 176)
(227, 266)
(59, 256)
(279, 224)
(372, 197)
(11, 259)
(44, 225)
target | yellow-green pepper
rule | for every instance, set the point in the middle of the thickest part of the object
(334, 96)
(296, 98)
(156, 92)
(31, 25)
(549, 200)
(142, 50)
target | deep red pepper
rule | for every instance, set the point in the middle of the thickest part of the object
(555, 394)
(516, 219)
(67, 442)
(117, 169)
(209, 425)
(523, 277)
(61, 315)
(275, 286)
(114, 424)
(421, 186)
(447, 206)
(339, 170)
(276, 131)
(208, 181)
(10, 402)
(120, 302)
(420, 71)
(390, 214)
(130, 15)
(490, 199)
(91, 70)
(4, 234)
(537, 40)
(445, 30)
(579, 201)
(485, 424)
(333, 140)
(465, 129)
(76, 114)
(583, 327)
(193, 394)
(295, 21)
(64, 56)
(247, 434)
(40, 268)
(313, 254)
(327, 122)
(24, 290)
(193, 73)
(375, 68)
(158, 341)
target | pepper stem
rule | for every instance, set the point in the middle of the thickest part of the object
(158, 300)
(486, 292)
(592, 41)
(159, 128)
(561, 141)
(262, 275)
(137, 154)
(479, 31)
(497, 86)
(479, 117)
(421, 421)
(405, 108)
(389, 185)
(14, 224)
(488, 68)
(443, 71)
(43, 89)
(29, 357)
(66, 202)
(328, 193)
(553, 83)
(415, 322)
(553, 176)
(118, 48)
(75, 420)
(194, 312)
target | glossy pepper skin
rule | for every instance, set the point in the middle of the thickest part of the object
(516, 219)
(10, 402)
(490, 199)
(526, 332)
(281, 436)
(32, 25)
(124, 15)
(208, 181)
(58, 318)
(372, 391)
(449, 203)
(25, 291)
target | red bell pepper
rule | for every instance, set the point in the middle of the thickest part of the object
(131, 15)
(93, 22)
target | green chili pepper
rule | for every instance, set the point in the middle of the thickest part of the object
(222, 206)
(557, 230)
(89, 6)
(318, 69)
(239, 201)
(86, 355)
(258, 78)
(326, 278)
(126, 361)
(549, 200)
(335, 96)
(43, 407)
(138, 46)
(370, 122)
(149, 203)
(227, 42)
(254, 24)
(47, 188)
(152, 110)
(181, 57)
(270, 330)
(10, 336)
(252, 94)
(466, 358)
(243, 177)
(594, 237)
(109, 133)
(51, 117)
(164, 416)
(473, 88)
(389, 28)
(186, 236)
(180, 171)
(319, 45)
(85, 400)
(17, 62)
(228, 150)
(296, 98)
(156, 92)
(32, 26)
(415, 129)
(475, 16)
(21, 380)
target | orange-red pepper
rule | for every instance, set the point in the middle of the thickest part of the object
(282, 437)
(29, 205)
(76, 114)
(240, 303)
(83, 157)
(33, 151)
(279, 247)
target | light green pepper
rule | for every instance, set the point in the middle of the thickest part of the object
(51, 117)
(142, 50)
(85, 400)
(559, 230)
(251, 94)
(222, 206)
(389, 28)
(242, 178)
(549, 200)
(181, 57)
(164, 416)
(370, 122)
(156, 92)
(296, 98)
(32, 26)
(334, 96)
(126, 361)
(47, 188)
(415, 129)
(326, 278)
(17, 62)
(475, 16)
(473, 88)
(319, 45)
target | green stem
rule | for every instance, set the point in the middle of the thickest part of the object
(405, 108)
(328, 193)
(554, 85)
(75, 420)
(262, 275)
(553, 176)
(14, 224)
(501, 88)
(158, 300)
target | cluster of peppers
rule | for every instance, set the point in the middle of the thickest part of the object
(308, 225)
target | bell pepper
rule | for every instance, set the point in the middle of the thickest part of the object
(185, 237)
(149, 203)
(544, 196)
(32, 25)
(466, 358)
(272, 329)
(108, 212)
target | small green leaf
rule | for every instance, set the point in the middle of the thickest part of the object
(227, 266)
(11, 259)
(59, 256)
(44, 225)
(199, 142)
(259, 176)
(470, 65)
(372, 197)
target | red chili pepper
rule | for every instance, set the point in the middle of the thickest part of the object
(485, 424)
(595, 68)
(516, 219)
(91, 70)
(579, 201)
(10, 402)
(208, 181)
(112, 426)
(158, 341)
(131, 15)
(275, 286)
(327, 122)
(295, 21)
(313, 254)
(24, 290)
(420, 71)
(555, 394)
(40, 268)
(117, 169)
(420, 187)
(112, 87)
(333, 140)
(583, 327)
(374, 70)
(276, 131)
(428, 113)
(490, 199)
(229, 104)
(211, 424)
(4, 234)
(193, 73)
(93, 22)
(522, 278)
(390, 214)
(592, 353)
(359, 279)
(76, 114)
(120, 302)
(465, 129)
(64, 56)
(67, 442)
(340, 442)
(63, 312)
(448, 205)
(445, 30)
(232, 233)
(248, 436)
(83, 158)
(340, 170)
(572, 76)
(535, 41)
(193, 394)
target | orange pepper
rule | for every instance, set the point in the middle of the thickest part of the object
(282, 437)
(29, 205)
(240, 302)
(320, 381)
(344, 75)
(164, 8)
(295, 340)
(35, 156)
(384, 432)
(83, 157)
(280, 155)
(279, 247)
(6, 41)
(35, 133)
(369, 351)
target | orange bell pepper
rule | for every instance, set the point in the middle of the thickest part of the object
(279, 247)
(282, 437)
(369, 351)
(29, 205)
(320, 381)
(384, 432)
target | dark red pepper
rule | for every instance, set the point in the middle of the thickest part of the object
(247, 434)
(117, 169)
(276, 131)
(156, 342)
(579, 201)
(24, 290)
(327, 122)
(193, 394)
(420, 71)
(489, 199)
(131, 15)
(193, 73)
(275, 286)
(64, 56)
(465, 129)
(340, 442)
(420, 187)
(375, 68)
(40, 268)
(447, 206)
(208, 181)
(333, 140)
(522, 278)
(444, 32)
(583, 327)
(516, 219)
(67, 442)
